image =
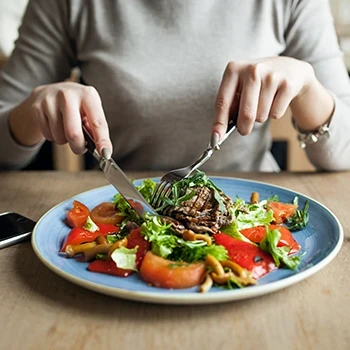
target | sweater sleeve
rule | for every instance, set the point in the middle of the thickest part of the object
(43, 54)
(311, 36)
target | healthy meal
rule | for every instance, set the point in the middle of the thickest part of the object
(200, 238)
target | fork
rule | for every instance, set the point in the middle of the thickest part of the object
(163, 188)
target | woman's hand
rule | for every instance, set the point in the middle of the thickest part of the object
(56, 112)
(263, 89)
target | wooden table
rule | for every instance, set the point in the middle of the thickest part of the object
(40, 310)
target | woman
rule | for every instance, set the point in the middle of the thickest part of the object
(160, 78)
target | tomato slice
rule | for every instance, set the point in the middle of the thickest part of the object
(257, 234)
(76, 217)
(135, 239)
(105, 229)
(108, 267)
(169, 274)
(105, 213)
(246, 255)
(286, 239)
(136, 206)
(282, 211)
(78, 235)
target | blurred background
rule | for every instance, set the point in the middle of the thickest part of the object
(285, 146)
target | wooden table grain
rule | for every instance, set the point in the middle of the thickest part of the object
(40, 310)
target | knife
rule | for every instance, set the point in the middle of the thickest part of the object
(118, 179)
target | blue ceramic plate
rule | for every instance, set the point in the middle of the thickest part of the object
(320, 242)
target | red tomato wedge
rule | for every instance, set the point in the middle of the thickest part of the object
(282, 211)
(105, 213)
(78, 235)
(246, 255)
(257, 234)
(105, 229)
(108, 267)
(135, 239)
(76, 217)
(136, 206)
(163, 273)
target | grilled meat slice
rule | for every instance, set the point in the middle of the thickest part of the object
(201, 213)
(129, 226)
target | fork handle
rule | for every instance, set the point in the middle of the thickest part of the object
(201, 160)
(231, 127)
(214, 145)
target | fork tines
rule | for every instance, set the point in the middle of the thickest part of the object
(162, 190)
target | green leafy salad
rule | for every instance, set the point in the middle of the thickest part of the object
(201, 237)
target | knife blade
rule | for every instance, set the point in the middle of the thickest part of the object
(118, 179)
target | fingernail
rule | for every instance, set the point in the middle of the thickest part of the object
(214, 140)
(106, 153)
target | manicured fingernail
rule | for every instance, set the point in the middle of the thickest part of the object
(106, 153)
(214, 140)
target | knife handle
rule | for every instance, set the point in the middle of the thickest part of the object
(90, 144)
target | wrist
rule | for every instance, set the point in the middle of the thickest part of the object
(313, 107)
(310, 84)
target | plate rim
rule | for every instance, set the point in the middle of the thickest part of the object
(193, 297)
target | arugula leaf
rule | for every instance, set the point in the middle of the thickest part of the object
(273, 198)
(279, 254)
(176, 200)
(234, 283)
(220, 201)
(115, 237)
(300, 218)
(181, 190)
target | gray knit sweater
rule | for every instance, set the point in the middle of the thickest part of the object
(157, 66)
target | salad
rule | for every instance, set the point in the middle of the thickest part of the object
(201, 238)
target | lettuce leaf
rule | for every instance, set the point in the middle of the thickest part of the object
(90, 225)
(124, 209)
(125, 258)
(146, 189)
(279, 254)
(232, 230)
(250, 215)
(167, 244)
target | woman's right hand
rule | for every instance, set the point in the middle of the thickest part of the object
(56, 112)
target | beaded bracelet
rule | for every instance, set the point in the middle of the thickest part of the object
(307, 138)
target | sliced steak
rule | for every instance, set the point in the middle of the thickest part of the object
(202, 213)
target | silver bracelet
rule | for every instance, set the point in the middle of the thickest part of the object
(310, 137)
